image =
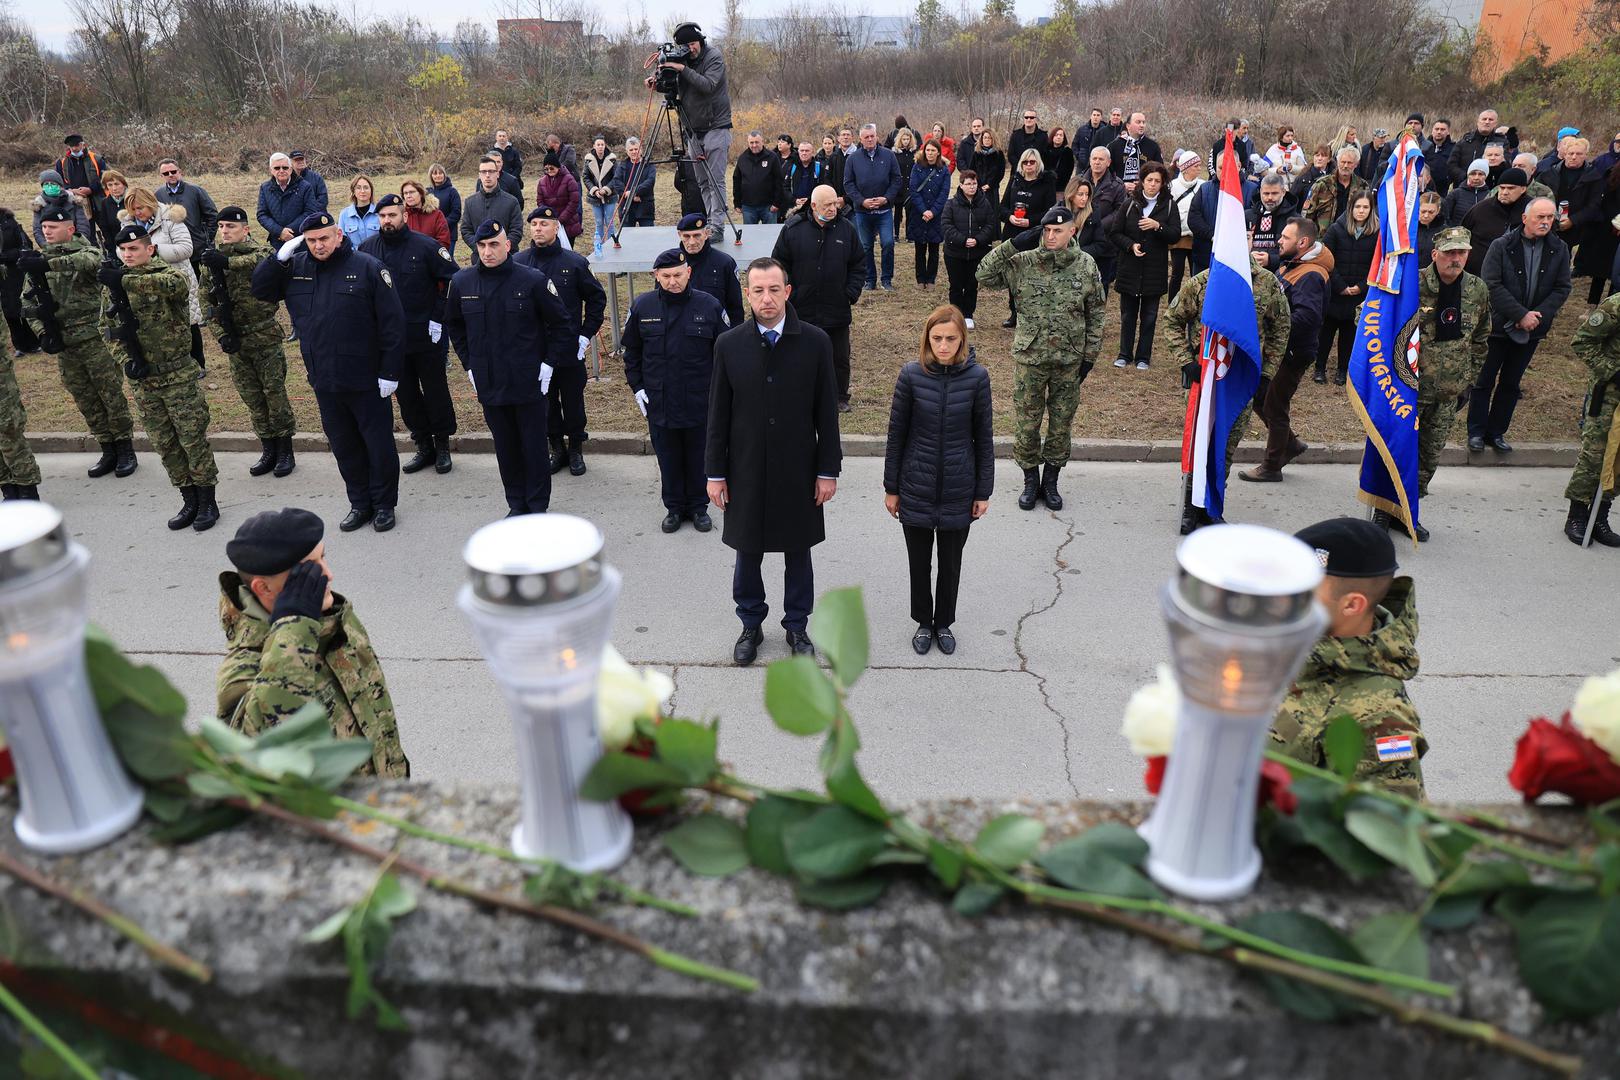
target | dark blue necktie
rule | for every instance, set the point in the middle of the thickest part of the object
(770, 337)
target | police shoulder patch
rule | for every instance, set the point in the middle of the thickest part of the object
(387, 278)
(1595, 319)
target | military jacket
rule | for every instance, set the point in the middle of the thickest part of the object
(254, 317)
(1060, 302)
(273, 670)
(1321, 205)
(1443, 369)
(1365, 678)
(1183, 320)
(1597, 343)
(160, 297)
(72, 277)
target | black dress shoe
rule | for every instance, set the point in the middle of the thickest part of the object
(671, 522)
(747, 646)
(1500, 445)
(701, 521)
(923, 639)
(1319, 377)
(1476, 445)
(383, 520)
(800, 643)
(355, 518)
(946, 639)
(1011, 323)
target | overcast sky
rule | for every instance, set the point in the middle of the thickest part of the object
(54, 23)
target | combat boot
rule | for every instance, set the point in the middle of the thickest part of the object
(559, 455)
(1032, 489)
(1388, 521)
(207, 509)
(1575, 524)
(28, 491)
(1049, 491)
(285, 461)
(267, 459)
(576, 458)
(188, 508)
(424, 457)
(441, 458)
(107, 462)
(126, 463)
(1601, 533)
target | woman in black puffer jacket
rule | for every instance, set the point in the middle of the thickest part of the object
(1351, 239)
(969, 216)
(1144, 230)
(939, 467)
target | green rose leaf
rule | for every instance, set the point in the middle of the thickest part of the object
(1101, 860)
(1307, 934)
(559, 886)
(1394, 942)
(1454, 912)
(709, 845)
(1486, 877)
(166, 806)
(1397, 837)
(975, 898)
(843, 779)
(842, 895)
(945, 863)
(1568, 944)
(1009, 840)
(614, 774)
(201, 822)
(689, 748)
(282, 761)
(114, 678)
(1607, 860)
(225, 739)
(336, 760)
(838, 627)
(835, 842)
(767, 819)
(152, 747)
(213, 786)
(799, 696)
(1344, 742)
(302, 797)
(1319, 823)
(308, 723)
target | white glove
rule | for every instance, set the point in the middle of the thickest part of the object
(289, 247)
(641, 401)
(545, 378)
(584, 343)
(386, 387)
(435, 331)
(472, 380)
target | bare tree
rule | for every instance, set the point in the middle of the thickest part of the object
(121, 41)
(29, 89)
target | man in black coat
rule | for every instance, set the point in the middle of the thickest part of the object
(1472, 145)
(1438, 149)
(1133, 149)
(713, 271)
(1030, 137)
(1527, 272)
(1577, 191)
(585, 301)
(1496, 215)
(421, 270)
(1375, 158)
(351, 331)
(773, 453)
(826, 265)
(510, 331)
(668, 342)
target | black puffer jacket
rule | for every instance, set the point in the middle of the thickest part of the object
(1035, 197)
(1352, 259)
(977, 218)
(941, 454)
(826, 266)
(1147, 274)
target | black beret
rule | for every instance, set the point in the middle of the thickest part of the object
(1351, 547)
(274, 540)
(1514, 176)
(317, 220)
(542, 212)
(1058, 215)
(234, 213)
(669, 258)
(130, 233)
(56, 213)
(489, 230)
(690, 222)
(389, 200)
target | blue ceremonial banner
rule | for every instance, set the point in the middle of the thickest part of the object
(1383, 374)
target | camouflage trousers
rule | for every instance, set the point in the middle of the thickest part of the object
(17, 464)
(96, 382)
(259, 370)
(1046, 390)
(1240, 427)
(1435, 421)
(1583, 482)
(175, 414)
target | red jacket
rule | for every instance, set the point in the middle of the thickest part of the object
(561, 193)
(430, 223)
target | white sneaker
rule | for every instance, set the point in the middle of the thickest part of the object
(1141, 365)
(1122, 362)
(969, 323)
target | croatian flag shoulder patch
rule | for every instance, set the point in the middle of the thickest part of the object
(1395, 748)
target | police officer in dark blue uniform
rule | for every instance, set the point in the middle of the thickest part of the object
(421, 269)
(585, 300)
(511, 332)
(351, 331)
(713, 271)
(668, 359)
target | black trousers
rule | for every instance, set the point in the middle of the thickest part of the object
(359, 425)
(521, 454)
(565, 403)
(424, 395)
(1497, 393)
(1135, 311)
(1346, 331)
(22, 334)
(682, 482)
(1179, 258)
(927, 260)
(840, 347)
(964, 283)
(936, 608)
(798, 588)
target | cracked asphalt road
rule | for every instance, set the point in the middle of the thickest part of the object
(1059, 618)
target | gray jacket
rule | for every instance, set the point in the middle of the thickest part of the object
(705, 99)
(481, 206)
(201, 213)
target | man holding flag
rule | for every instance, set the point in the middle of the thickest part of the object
(1592, 485)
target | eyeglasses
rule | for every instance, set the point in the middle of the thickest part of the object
(281, 168)
(1029, 118)
(169, 172)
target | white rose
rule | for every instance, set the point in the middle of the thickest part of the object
(1597, 711)
(624, 694)
(1150, 716)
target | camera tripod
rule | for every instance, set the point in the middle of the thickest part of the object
(667, 124)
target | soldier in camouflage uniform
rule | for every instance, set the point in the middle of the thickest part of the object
(1597, 343)
(172, 405)
(1059, 296)
(1361, 665)
(1324, 204)
(88, 370)
(1183, 335)
(258, 364)
(19, 472)
(292, 640)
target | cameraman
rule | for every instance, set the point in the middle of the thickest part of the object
(705, 110)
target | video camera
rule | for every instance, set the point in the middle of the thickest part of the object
(665, 80)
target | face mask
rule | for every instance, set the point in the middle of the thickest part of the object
(826, 217)
(51, 191)
(77, 153)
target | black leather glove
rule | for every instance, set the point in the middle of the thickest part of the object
(303, 593)
(137, 369)
(30, 261)
(1462, 398)
(11, 258)
(1085, 369)
(216, 259)
(1189, 373)
(110, 275)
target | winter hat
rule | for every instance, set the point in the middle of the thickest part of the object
(1186, 157)
(1514, 176)
(552, 159)
(51, 176)
(1479, 164)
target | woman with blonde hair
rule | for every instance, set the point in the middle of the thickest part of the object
(359, 219)
(939, 468)
(166, 225)
(905, 157)
(422, 212)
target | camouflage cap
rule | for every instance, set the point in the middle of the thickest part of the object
(1456, 238)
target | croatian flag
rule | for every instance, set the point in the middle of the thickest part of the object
(1229, 354)
(1383, 373)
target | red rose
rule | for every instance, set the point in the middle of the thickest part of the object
(635, 800)
(1153, 779)
(1557, 757)
(7, 769)
(1276, 783)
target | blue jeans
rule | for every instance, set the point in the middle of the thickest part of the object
(757, 215)
(604, 220)
(882, 222)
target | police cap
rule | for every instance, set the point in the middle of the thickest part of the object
(489, 230)
(389, 200)
(1351, 547)
(234, 213)
(274, 540)
(1058, 215)
(690, 222)
(545, 212)
(1456, 238)
(317, 220)
(56, 213)
(669, 258)
(130, 233)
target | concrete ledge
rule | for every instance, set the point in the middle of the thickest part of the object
(1537, 455)
(902, 989)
